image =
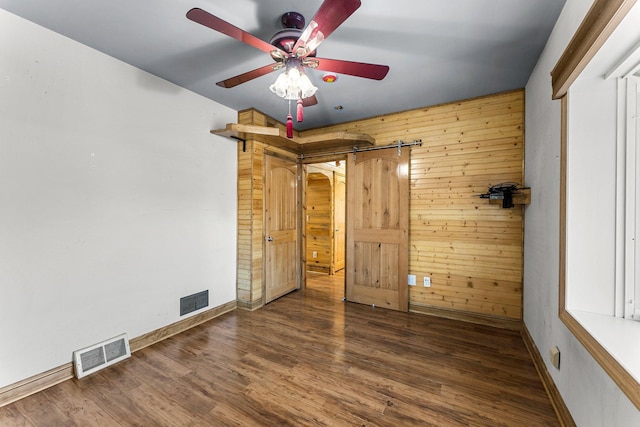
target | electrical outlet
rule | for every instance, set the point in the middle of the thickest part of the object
(427, 282)
(315, 254)
(411, 279)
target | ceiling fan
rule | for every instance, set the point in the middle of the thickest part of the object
(294, 49)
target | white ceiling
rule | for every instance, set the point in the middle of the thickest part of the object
(438, 50)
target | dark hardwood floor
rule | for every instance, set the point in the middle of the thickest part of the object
(308, 359)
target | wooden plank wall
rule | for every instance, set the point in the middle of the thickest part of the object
(319, 224)
(472, 250)
(249, 247)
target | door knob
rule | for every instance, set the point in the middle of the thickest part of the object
(269, 239)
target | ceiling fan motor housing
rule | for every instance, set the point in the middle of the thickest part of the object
(292, 20)
(293, 24)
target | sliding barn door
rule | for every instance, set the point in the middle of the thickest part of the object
(281, 230)
(377, 228)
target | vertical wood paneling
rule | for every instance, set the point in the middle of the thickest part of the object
(471, 249)
(249, 273)
(250, 229)
(319, 221)
(257, 194)
(244, 250)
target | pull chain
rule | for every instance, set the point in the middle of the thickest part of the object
(299, 113)
(289, 123)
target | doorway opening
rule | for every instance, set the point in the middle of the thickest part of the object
(325, 217)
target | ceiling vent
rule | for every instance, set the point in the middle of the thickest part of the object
(99, 356)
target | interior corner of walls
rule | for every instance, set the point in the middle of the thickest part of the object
(221, 117)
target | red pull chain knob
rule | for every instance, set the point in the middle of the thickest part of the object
(289, 126)
(300, 114)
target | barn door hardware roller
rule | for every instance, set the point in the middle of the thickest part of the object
(399, 145)
(507, 192)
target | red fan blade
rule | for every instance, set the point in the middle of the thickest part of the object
(249, 75)
(208, 20)
(331, 14)
(308, 102)
(358, 69)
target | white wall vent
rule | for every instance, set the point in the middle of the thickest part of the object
(99, 356)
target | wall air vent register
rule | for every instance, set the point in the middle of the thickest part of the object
(98, 356)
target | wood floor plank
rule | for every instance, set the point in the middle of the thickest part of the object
(42, 411)
(77, 406)
(10, 416)
(309, 359)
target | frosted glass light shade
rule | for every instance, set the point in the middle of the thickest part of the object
(293, 84)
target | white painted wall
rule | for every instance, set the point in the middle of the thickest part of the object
(590, 394)
(591, 196)
(115, 200)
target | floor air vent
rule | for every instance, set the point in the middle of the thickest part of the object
(99, 356)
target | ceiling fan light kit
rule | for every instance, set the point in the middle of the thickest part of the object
(293, 49)
(293, 83)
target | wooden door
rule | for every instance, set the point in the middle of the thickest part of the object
(281, 228)
(377, 228)
(339, 226)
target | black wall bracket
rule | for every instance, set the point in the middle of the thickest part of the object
(502, 192)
